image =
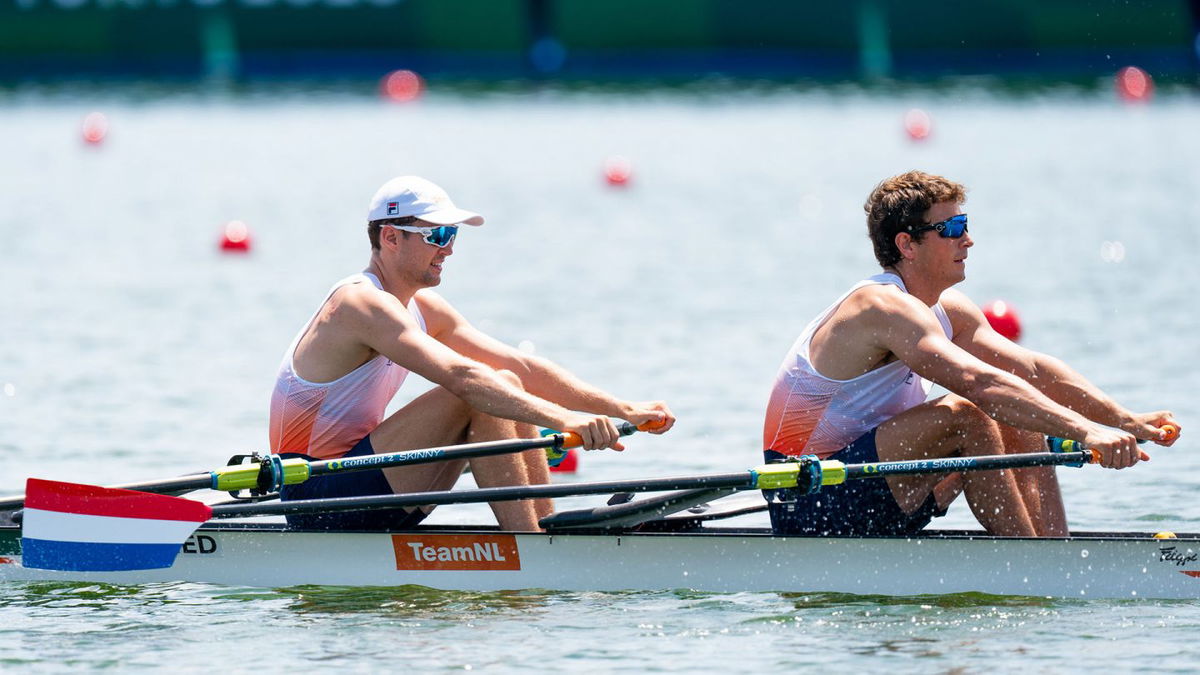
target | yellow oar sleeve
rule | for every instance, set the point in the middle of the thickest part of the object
(245, 476)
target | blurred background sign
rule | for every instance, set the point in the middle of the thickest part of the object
(584, 39)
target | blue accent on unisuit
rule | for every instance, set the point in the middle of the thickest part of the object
(75, 556)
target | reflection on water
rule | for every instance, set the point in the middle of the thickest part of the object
(947, 601)
(61, 595)
(413, 601)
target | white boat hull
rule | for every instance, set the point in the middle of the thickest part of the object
(1127, 565)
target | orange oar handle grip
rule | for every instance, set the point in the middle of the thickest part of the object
(572, 440)
(1171, 431)
(651, 425)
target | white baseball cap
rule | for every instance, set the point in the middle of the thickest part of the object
(405, 196)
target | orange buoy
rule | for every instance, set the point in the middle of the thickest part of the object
(617, 171)
(569, 463)
(1134, 85)
(402, 86)
(235, 237)
(95, 128)
(1003, 319)
(917, 124)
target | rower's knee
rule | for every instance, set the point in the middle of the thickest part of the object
(967, 417)
(448, 403)
(1021, 440)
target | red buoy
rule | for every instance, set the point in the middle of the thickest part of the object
(235, 237)
(1003, 319)
(1134, 85)
(569, 464)
(95, 128)
(402, 86)
(617, 171)
(917, 124)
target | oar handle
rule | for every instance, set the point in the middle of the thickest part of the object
(573, 440)
(1170, 432)
(1057, 444)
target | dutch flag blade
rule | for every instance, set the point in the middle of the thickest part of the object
(85, 528)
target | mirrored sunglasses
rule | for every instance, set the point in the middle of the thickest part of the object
(950, 228)
(440, 237)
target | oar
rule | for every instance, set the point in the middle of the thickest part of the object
(271, 472)
(82, 527)
(807, 473)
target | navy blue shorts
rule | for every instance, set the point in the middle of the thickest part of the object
(854, 508)
(349, 484)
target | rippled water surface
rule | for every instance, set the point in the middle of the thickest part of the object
(132, 349)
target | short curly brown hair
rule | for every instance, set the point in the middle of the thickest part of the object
(900, 202)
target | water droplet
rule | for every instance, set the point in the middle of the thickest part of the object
(1083, 553)
(1112, 251)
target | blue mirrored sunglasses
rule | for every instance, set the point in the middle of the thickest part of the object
(440, 237)
(950, 228)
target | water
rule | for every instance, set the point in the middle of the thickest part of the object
(133, 350)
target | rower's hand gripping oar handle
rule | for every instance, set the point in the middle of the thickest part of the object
(1056, 444)
(558, 452)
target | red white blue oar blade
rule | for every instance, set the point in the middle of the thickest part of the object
(85, 528)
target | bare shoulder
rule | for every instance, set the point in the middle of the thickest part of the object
(357, 321)
(859, 336)
(431, 301)
(362, 306)
(440, 316)
(883, 303)
(964, 315)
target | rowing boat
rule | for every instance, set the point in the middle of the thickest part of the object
(700, 557)
(676, 540)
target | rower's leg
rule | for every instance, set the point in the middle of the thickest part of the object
(1038, 485)
(433, 419)
(524, 468)
(439, 418)
(537, 471)
(953, 426)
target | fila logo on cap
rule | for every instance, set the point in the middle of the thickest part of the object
(393, 208)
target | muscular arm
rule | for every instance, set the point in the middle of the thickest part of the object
(541, 377)
(903, 325)
(379, 322)
(1049, 375)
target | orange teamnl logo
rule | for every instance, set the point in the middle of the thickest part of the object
(456, 552)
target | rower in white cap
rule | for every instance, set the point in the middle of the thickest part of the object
(350, 358)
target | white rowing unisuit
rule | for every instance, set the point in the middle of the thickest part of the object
(325, 419)
(810, 414)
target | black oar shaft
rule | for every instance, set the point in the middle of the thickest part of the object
(740, 479)
(744, 480)
(949, 464)
(466, 451)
